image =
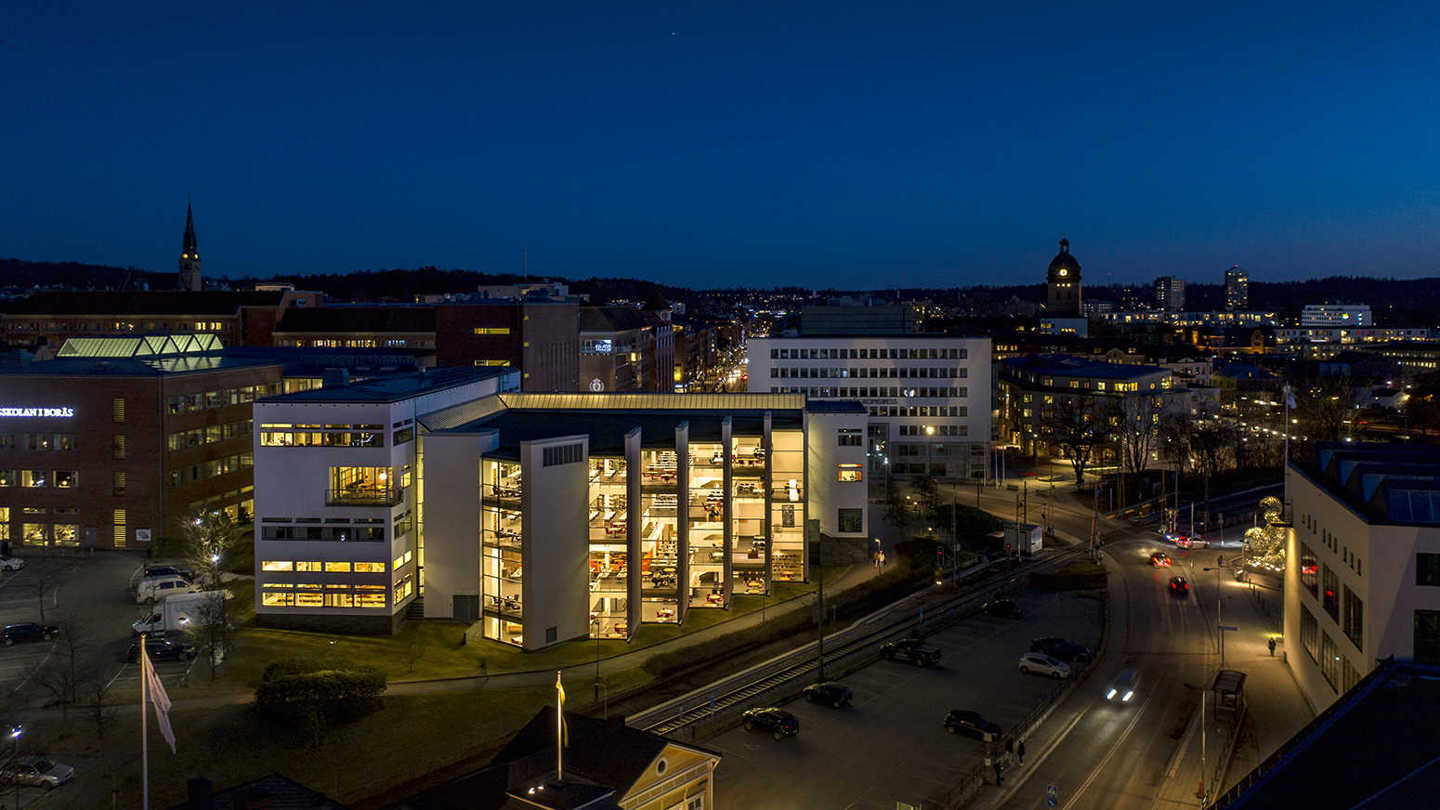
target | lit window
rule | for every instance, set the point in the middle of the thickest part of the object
(849, 473)
(337, 567)
(491, 330)
(277, 565)
(369, 567)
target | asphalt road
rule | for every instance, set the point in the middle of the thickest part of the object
(891, 745)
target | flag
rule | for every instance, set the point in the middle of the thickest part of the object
(560, 710)
(158, 698)
(1289, 397)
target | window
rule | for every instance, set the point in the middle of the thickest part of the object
(402, 436)
(34, 479)
(1310, 633)
(403, 560)
(117, 443)
(1330, 593)
(310, 566)
(66, 479)
(369, 567)
(277, 565)
(491, 330)
(1354, 624)
(1427, 569)
(35, 533)
(552, 635)
(7, 478)
(117, 410)
(849, 473)
(1427, 636)
(337, 567)
(67, 534)
(1330, 661)
(119, 521)
(851, 521)
(1310, 571)
(119, 482)
(849, 437)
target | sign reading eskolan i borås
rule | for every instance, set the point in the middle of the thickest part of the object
(38, 413)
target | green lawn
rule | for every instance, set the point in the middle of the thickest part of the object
(436, 649)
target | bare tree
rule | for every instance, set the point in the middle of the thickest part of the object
(1080, 425)
(1138, 431)
(64, 671)
(1174, 439)
(1323, 404)
(414, 651)
(209, 537)
(213, 628)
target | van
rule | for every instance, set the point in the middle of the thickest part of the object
(158, 588)
(1124, 686)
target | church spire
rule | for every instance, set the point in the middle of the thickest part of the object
(190, 278)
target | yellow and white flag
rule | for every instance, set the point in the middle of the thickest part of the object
(156, 690)
(560, 711)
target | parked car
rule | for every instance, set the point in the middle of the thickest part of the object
(37, 772)
(1160, 559)
(162, 587)
(28, 631)
(11, 564)
(778, 722)
(912, 650)
(829, 693)
(1004, 608)
(1034, 663)
(1179, 586)
(161, 648)
(1124, 685)
(1067, 651)
(971, 724)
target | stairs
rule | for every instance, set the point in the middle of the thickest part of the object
(415, 610)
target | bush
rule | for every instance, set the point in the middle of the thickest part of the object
(311, 695)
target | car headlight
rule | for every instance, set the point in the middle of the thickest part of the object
(1110, 695)
(1127, 697)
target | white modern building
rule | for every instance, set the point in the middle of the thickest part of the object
(546, 517)
(1362, 578)
(1348, 315)
(928, 396)
(337, 500)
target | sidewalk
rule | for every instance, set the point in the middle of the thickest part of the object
(1276, 709)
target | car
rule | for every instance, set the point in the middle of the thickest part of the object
(971, 724)
(1160, 559)
(161, 648)
(778, 722)
(1034, 663)
(37, 772)
(1004, 608)
(1124, 686)
(161, 588)
(28, 631)
(913, 650)
(1067, 651)
(1179, 586)
(829, 693)
(11, 564)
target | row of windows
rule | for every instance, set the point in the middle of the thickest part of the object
(316, 566)
(181, 439)
(838, 353)
(357, 343)
(850, 437)
(37, 441)
(39, 479)
(335, 534)
(865, 373)
(313, 595)
(20, 324)
(934, 430)
(564, 454)
(910, 411)
(956, 392)
(288, 435)
(213, 468)
(194, 403)
(1332, 542)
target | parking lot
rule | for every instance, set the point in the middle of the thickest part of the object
(891, 745)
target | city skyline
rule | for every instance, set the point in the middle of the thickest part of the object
(921, 147)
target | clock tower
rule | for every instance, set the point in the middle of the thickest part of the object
(1063, 281)
(190, 278)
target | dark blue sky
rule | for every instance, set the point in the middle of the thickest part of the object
(712, 144)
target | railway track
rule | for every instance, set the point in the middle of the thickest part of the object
(862, 636)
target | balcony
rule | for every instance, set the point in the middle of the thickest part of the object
(364, 496)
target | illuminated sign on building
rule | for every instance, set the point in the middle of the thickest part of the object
(38, 413)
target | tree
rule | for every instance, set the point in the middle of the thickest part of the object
(208, 537)
(1080, 425)
(927, 496)
(897, 514)
(1138, 431)
(1322, 405)
(65, 671)
(213, 628)
(1174, 439)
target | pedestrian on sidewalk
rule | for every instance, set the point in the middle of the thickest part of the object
(1272, 646)
(999, 780)
(1020, 751)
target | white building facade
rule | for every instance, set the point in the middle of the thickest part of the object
(928, 396)
(1349, 315)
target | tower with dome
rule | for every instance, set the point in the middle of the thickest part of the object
(1063, 281)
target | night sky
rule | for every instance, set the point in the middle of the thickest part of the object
(712, 144)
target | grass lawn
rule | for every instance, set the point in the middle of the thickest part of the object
(229, 745)
(436, 649)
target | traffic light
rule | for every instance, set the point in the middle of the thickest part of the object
(940, 555)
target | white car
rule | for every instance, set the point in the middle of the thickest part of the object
(11, 564)
(1034, 663)
(37, 772)
(162, 588)
(1124, 686)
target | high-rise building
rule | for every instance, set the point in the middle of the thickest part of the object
(1237, 289)
(1063, 280)
(1170, 293)
(190, 278)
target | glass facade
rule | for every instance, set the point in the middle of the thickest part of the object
(501, 571)
(659, 536)
(705, 509)
(609, 552)
(787, 505)
(750, 549)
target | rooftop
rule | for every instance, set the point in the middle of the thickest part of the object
(1375, 748)
(394, 388)
(617, 319)
(1383, 483)
(361, 318)
(1064, 365)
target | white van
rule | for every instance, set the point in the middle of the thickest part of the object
(158, 588)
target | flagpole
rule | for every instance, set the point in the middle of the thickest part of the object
(144, 730)
(559, 730)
